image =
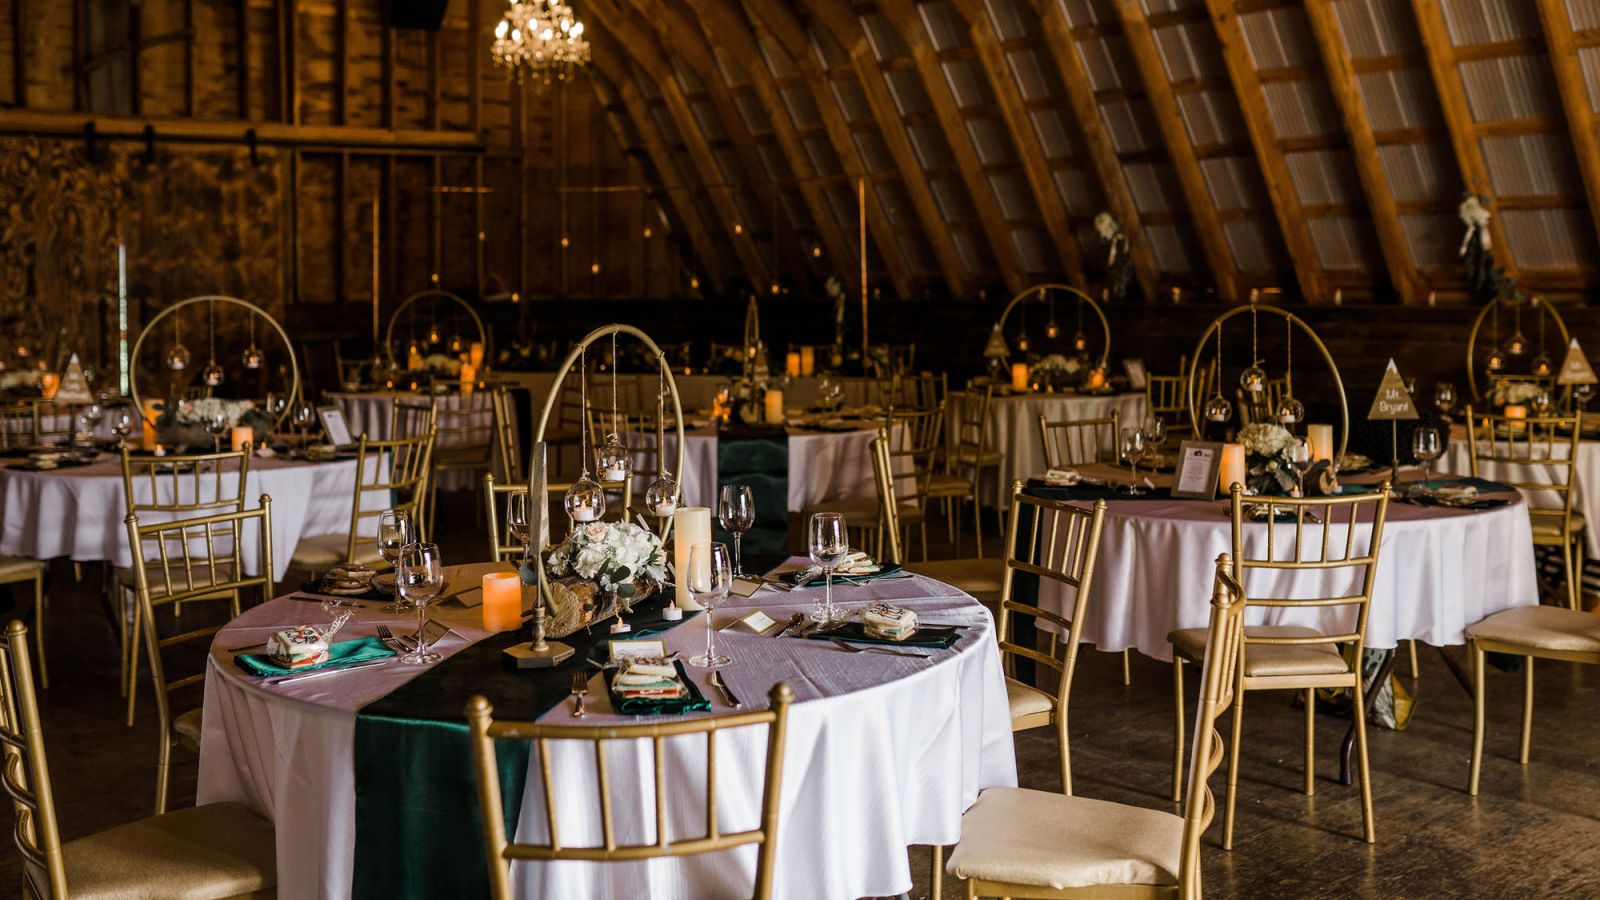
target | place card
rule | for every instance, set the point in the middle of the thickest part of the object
(745, 586)
(756, 622)
(1199, 464)
(641, 648)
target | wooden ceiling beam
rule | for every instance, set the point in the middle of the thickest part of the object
(1052, 208)
(1264, 138)
(1192, 181)
(1458, 117)
(1563, 56)
(1363, 149)
(1063, 49)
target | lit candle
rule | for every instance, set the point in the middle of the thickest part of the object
(150, 413)
(690, 525)
(1233, 468)
(49, 383)
(1019, 376)
(791, 364)
(1519, 413)
(774, 407)
(469, 376)
(808, 361)
(1320, 437)
(475, 355)
(502, 601)
(413, 359)
(1096, 379)
(244, 437)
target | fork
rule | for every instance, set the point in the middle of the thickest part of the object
(580, 686)
(393, 641)
(845, 645)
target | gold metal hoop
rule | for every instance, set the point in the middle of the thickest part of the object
(1477, 326)
(1039, 292)
(1205, 337)
(150, 327)
(388, 334)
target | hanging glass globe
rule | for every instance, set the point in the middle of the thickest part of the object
(1253, 379)
(1496, 361)
(1517, 345)
(1080, 342)
(1052, 330)
(615, 462)
(433, 335)
(662, 497)
(1022, 343)
(1291, 411)
(1218, 409)
(253, 357)
(212, 374)
(455, 343)
(178, 358)
(1541, 365)
(585, 500)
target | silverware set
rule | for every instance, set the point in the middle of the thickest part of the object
(728, 696)
(580, 687)
(402, 643)
(846, 645)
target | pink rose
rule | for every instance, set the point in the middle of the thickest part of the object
(595, 531)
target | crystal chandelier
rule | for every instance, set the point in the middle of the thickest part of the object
(542, 37)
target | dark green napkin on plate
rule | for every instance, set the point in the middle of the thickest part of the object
(340, 654)
(939, 637)
(694, 701)
(315, 587)
(887, 570)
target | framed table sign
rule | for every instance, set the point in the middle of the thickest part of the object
(1134, 369)
(333, 423)
(1199, 463)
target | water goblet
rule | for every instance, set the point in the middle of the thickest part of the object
(1426, 446)
(419, 578)
(396, 531)
(216, 426)
(517, 517)
(736, 511)
(1444, 397)
(1133, 450)
(122, 426)
(710, 577)
(829, 543)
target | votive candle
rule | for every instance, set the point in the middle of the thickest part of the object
(1519, 413)
(791, 364)
(151, 410)
(1019, 376)
(774, 407)
(502, 601)
(808, 361)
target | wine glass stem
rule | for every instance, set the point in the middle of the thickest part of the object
(827, 594)
(422, 636)
(738, 553)
(711, 638)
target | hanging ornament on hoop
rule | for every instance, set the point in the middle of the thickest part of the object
(1518, 344)
(1542, 366)
(1495, 361)
(253, 357)
(177, 354)
(1253, 378)
(1051, 329)
(1290, 411)
(662, 497)
(616, 463)
(1218, 409)
(212, 374)
(585, 500)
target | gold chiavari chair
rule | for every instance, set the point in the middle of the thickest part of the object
(505, 434)
(913, 437)
(1261, 406)
(1297, 657)
(188, 560)
(215, 850)
(394, 471)
(1023, 843)
(1537, 457)
(965, 465)
(19, 570)
(982, 578)
(1164, 397)
(1077, 442)
(411, 415)
(497, 507)
(167, 488)
(18, 424)
(464, 441)
(628, 738)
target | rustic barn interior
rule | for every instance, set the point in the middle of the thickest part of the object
(829, 227)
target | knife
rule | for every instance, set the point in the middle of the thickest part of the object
(722, 688)
(331, 670)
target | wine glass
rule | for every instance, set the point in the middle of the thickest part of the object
(91, 415)
(1426, 446)
(736, 511)
(710, 577)
(122, 426)
(1582, 393)
(419, 578)
(305, 415)
(216, 426)
(517, 517)
(1542, 403)
(1444, 397)
(1155, 430)
(829, 543)
(1133, 448)
(396, 531)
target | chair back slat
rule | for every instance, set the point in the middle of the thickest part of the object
(497, 511)
(505, 434)
(26, 774)
(186, 484)
(1077, 442)
(1060, 544)
(396, 471)
(1536, 456)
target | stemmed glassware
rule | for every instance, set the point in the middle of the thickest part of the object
(305, 415)
(1155, 432)
(1426, 446)
(1444, 397)
(829, 542)
(122, 426)
(419, 578)
(736, 511)
(91, 416)
(710, 578)
(1582, 393)
(1542, 403)
(517, 517)
(396, 531)
(216, 426)
(1133, 449)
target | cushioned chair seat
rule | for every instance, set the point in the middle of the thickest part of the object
(1032, 837)
(326, 550)
(158, 581)
(216, 850)
(975, 576)
(1265, 660)
(1547, 527)
(964, 455)
(16, 568)
(942, 485)
(1542, 628)
(1027, 700)
(187, 725)
(863, 512)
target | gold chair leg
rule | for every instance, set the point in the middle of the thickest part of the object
(1572, 575)
(1066, 752)
(1477, 719)
(38, 628)
(977, 520)
(1177, 728)
(162, 768)
(1369, 832)
(925, 556)
(1127, 668)
(1233, 765)
(1311, 741)
(1527, 710)
(132, 674)
(1415, 670)
(936, 877)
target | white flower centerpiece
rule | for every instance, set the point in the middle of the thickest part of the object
(620, 559)
(1514, 392)
(184, 425)
(1274, 458)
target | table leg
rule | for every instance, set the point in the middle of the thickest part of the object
(1348, 747)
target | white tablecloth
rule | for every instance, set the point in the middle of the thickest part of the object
(1439, 571)
(823, 466)
(1013, 429)
(1586, 472)
(369, 413)
(883, 752)
(695, 392)
(78, 512)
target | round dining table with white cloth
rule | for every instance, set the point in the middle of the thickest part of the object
(1439, 571)
(1013, 429)
(823, 465)
(78, 512)
(1585, 472)
(695, 392)
(883, 752)
(370, 413)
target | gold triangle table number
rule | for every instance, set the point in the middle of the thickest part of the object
(1393, 400)
(1575, 368)
(74, 388)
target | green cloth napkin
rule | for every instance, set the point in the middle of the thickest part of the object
(937, 637)
(694, 701)
(340, 654)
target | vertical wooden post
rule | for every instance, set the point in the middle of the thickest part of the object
(1563, 55)
(861, 206)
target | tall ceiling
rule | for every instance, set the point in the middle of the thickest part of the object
(1313, 147)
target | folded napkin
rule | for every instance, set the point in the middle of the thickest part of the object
(812, 575)
(690, 701)
(315, 586)
(1062, 477)
(342, 653)
(938, 637)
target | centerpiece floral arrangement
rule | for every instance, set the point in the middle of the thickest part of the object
(621, 558)
(1273, 457)
(1515, 392)
(184, 425)
(438, 365)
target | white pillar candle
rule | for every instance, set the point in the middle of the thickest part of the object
(1320, 437)
(791, 364)
(808, 361)
(774, 407)
(1019, 377)
(690, 525)
(1233, 467)
(244, 437)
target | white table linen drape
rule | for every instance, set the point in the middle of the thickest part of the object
(1013, 430)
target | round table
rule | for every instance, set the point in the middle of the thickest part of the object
(1013, 429)
(883, 752)
(1586, 472)
(637, 391)
(369, 413)
(1439, 571)
(78, 512)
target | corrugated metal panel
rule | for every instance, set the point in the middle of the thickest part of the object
(951, 195)
(1512, 87)
(1033, 79)
(778, 62)
(933, 151)
(1079, 190)
(1151, 184)
(1212, 118)
(905, 88)
(992, 142)
(732, 73)
(647, 84)
(1035, 252)
(829, 53)
(687, 81)
(1190, 51)
(1324, 177)
(1344, 245)
(1107, 63)
(1421, 171)
(842, 200)
(1082, 13)
(1377, 28)
(1301, 108)
(705, 115)
(1433, 239)
(916, 253)
(1131, 124)
(1403, 98)
(847, 91)
(819, 150)
(1537, 165)
(751, 113)
(1012, 19)
(943, 24)
(1585, 14)
(967, 84)
(1016, 198)
(1589, 58)
(1279, 38)
(665, 125)
(874, 154)
(1473, 22)
(896, 204)
(773, 166)
(1171, 246)
(1235, 182)
(1250, 246)
(1055, 140)
(1156, 7)
(972, 253)
(802, 108)
(882, 38)
(1550, 238)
